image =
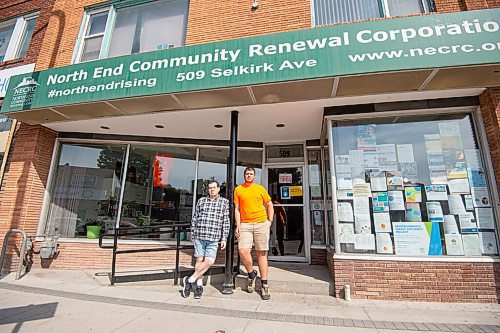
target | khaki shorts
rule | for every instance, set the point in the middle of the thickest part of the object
(255, 233)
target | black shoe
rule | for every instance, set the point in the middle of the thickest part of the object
(264, 292)
(198, 292)
(187, 287)
(274, 251)
(251, 281)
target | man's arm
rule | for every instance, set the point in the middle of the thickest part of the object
(270, 210)
(237, 218)
(195, 216)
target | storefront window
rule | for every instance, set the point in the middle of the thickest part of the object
(86, 189)
(213, 166)
(328, 187)
(412, 186)
(159, 186)
(316, 203)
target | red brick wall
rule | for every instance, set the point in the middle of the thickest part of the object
(318, 256)
(417, 281)
(490, 109)
(25, 181)
(443, 6)
(211, 21)
(9, 9)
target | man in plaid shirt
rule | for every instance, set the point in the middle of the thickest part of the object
(210, 224)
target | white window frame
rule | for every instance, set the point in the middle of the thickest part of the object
(80, 43)
(108, 31)
(20, 25)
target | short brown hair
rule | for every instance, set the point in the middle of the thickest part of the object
(249, 168)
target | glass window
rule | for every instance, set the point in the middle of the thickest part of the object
(86, 189)
(338, 11)
(15, 37)
(213, 166)
(412, 185)
(316, 204)
(5, 37)
(154, 26)
(94, 35)
(329, 201)
(406, 7)
(26, 39)
(159, 186)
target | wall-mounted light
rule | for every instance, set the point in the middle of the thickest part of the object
(159, 126)
(218, 126)
(280, 125)
(255, 5)
(105, 127)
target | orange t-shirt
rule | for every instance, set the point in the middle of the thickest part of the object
(251, 200)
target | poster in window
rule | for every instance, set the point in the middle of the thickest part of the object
(380, 202)
(472, 245)
(413, 194)
(396, 201)
(485, 218)
(434, 211)
(365, 137)
(384, 243)
(417, 239)
(480, 197)
(162, 164)
(413, 213)
(436, 192)
(394, 180)
(488, 243)
(454, 245)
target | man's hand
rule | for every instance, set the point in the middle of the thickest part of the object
(222, 245)
(237, 232)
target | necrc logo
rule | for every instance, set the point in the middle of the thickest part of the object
(24, 92)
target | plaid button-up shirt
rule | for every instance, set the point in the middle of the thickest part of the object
(211, 219)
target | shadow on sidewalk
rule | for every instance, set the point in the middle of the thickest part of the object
(21, 314)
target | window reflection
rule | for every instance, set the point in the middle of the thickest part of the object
(86, 189)
(159, 186)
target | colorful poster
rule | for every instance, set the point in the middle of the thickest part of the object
(396, 201)
(384, 243)
(477, 178)
(413, 194)
(454, 246)
(162, 164)
(412, 212)
(394, 180)
(436, 192)
(365, 137)
(380, 202)
(434, 211)
(456, 170)
(417, 239)
(296, 191)
(285, 192)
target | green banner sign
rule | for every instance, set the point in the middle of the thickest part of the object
(429, 41)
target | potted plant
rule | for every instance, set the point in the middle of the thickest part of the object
(93, 227)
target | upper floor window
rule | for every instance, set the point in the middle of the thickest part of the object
(15, 36)
(121, 29)
(337, 11)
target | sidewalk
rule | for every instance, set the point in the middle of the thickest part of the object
(59, 301)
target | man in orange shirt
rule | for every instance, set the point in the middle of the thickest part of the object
(253, 213)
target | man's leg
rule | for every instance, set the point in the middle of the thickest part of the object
(202, 265)
(263, 266)
(246, 259)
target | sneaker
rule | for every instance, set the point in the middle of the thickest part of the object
(187, 287)
(198, 292)
(264, 292)
(251, 282)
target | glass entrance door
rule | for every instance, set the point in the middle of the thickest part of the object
(285, 185)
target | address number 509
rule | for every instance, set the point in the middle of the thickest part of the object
(189, 76)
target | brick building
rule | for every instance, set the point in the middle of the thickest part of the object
(376, 127)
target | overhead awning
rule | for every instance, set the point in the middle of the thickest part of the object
(422, 53)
